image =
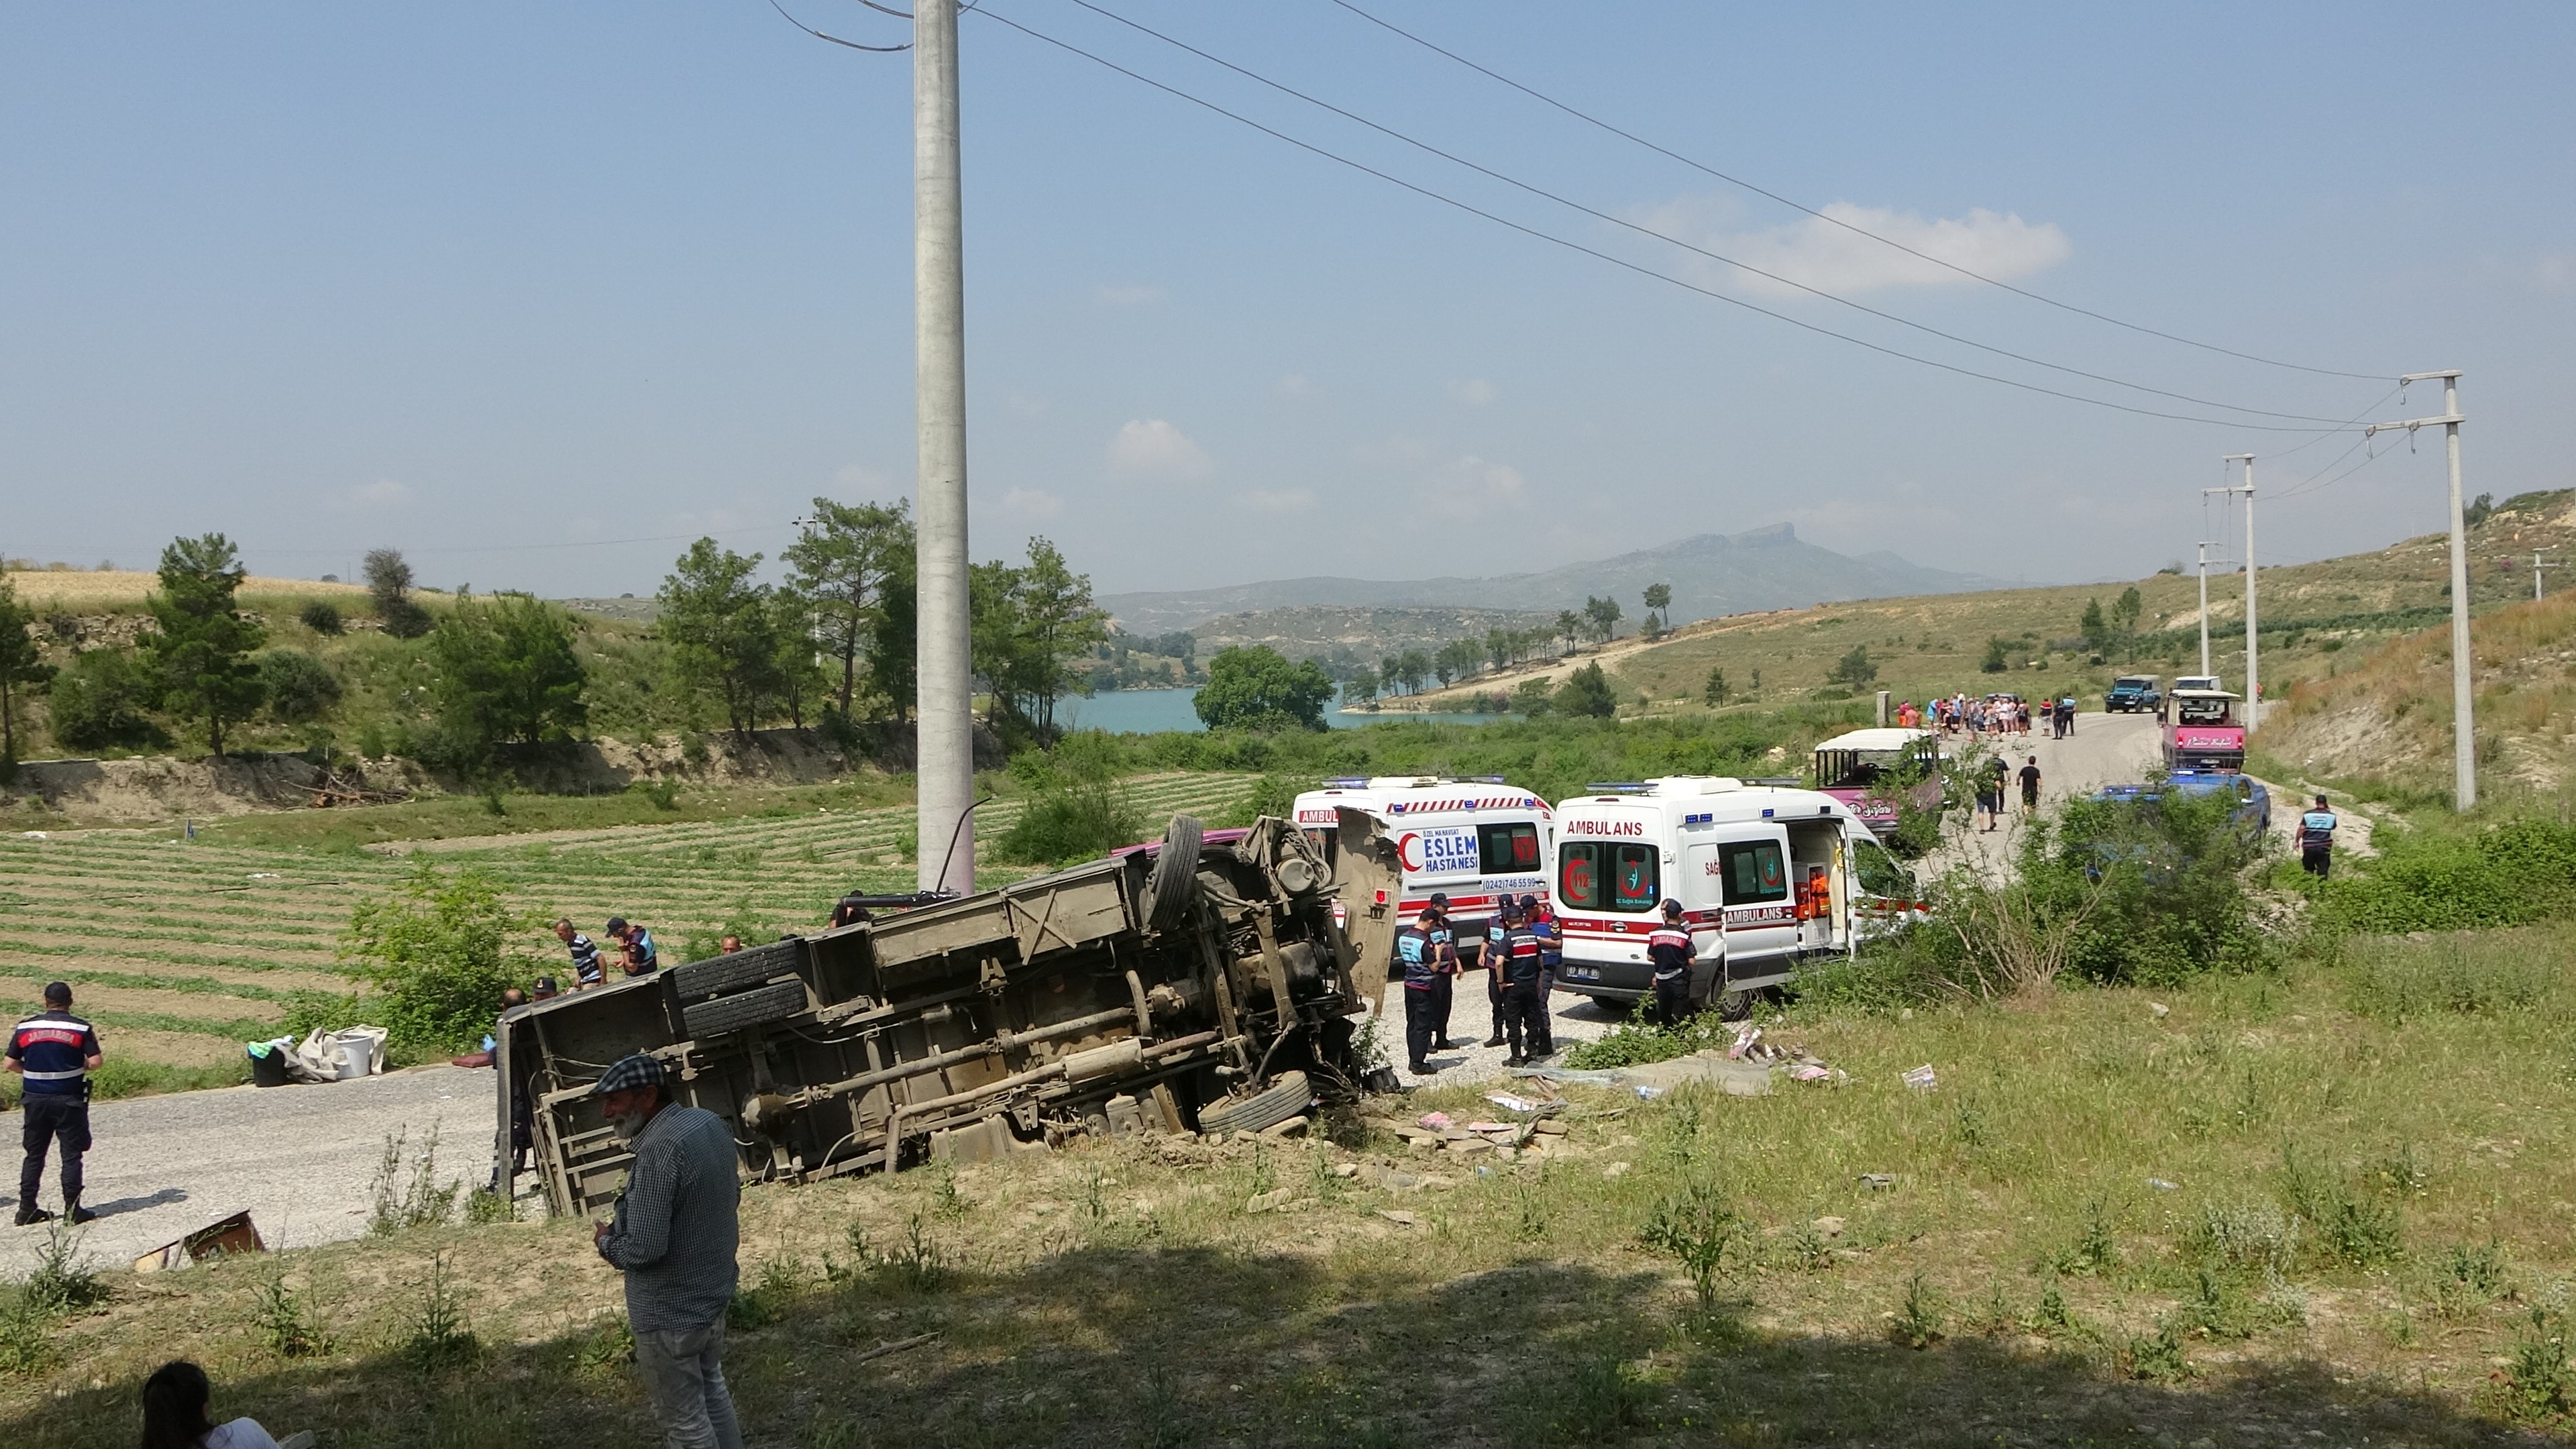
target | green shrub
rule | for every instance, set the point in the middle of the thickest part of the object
(436, 955)
(2513, 874)
(1077, 809)
(322, 616)
(99, 702)
(1697, 1227)
(300, 688)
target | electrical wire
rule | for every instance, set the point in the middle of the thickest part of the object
(836, 40)
(1643, 230)
(1624, 264)
(1738, 181)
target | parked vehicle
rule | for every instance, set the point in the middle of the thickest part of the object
(1871, 770)
(1764, 873)
(1475, 839)
(2203, 734)
(2133, 694)
(2253, 798)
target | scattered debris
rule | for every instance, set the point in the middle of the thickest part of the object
(2159, 1008)
(1922, 1079)
(2160, 1185)
(1398, 1216)
(234, 1234)
(898, 1346)
(1878, 1181)
(1436, 1121)
(1744, 1042)
(1293, 1127)
(1510, 1103)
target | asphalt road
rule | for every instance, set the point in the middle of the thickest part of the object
(302, 1159)
(2105, 749)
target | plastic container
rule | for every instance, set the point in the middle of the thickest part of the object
(356, 1057)
(268, 1065)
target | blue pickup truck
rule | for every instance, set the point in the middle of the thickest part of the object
(2134, 694)
(2253, 811)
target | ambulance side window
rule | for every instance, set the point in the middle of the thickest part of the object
(1508, 849)
(1754, 873)
(1580, 868)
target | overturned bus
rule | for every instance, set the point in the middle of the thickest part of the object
(1199, 984)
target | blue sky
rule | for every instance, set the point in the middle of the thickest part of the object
(502, 284)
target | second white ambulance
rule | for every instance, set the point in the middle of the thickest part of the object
(1475, 839)
(1764, 873)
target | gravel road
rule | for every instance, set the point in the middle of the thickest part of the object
(302, 1159)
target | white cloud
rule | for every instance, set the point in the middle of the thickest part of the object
(1279, 500)
(1469, 487)
(1817, 253)
(383, 493)
(1475, 392)
(1031, 503)
(1151, 450)
(1295, 384)
(1135, 295)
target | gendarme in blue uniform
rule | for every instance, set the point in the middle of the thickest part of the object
(52, 1050)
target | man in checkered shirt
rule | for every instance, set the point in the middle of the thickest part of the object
(675, 1237)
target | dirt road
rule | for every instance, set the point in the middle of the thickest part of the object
(302, 1159)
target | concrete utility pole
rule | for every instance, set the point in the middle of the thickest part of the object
(2253, 640)
(945, 769)
(2204, 606)
(2464, 731)
(2536, 567)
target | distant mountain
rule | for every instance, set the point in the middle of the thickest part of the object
(1711, 574)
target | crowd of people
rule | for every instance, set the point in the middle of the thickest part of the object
(1989, 716)
(1519, 954)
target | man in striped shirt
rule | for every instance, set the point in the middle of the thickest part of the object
(676, 1238)
(1669, 951)
(585, 954)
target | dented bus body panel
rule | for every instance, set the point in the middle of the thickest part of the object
(1125, 995)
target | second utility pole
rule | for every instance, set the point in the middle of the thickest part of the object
(2464, 724)
(2253, 644)
(945, 733)
(2204, 607)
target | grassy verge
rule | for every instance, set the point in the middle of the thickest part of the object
(2327, 1199)
(452, 817)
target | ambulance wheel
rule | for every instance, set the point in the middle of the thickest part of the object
(1734, 1005)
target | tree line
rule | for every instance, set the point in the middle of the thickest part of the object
(830, 645)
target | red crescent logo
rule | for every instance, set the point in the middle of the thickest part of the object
(1404, 849)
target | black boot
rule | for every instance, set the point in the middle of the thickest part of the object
(28, 1217)
(75, 1212)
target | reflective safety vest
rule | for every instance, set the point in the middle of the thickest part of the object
(2316, 829)
(1521, 964)
(1413, 955)
(1669, 948)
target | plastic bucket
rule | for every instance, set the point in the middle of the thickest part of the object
(355, 1057)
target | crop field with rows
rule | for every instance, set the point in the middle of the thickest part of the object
(182, 950)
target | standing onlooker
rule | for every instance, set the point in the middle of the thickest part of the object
(1668, 951)
(175, 1400)
(1990, 792)
(1490, 955)
(639, 957)
(2316, 840)
(1445, 967)
(546, 989)
(54, 1051)
(728, 944)
(1551, 955)
(675, 1237)
(585, 956)
(1421, 975)
(2030, 787)
(1518, 969)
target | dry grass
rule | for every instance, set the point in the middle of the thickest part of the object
(98, 591)
(2107, 1226)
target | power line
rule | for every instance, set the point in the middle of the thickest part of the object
(836, 40)
(1622, 262)
(1643, 230)
(1701, 166)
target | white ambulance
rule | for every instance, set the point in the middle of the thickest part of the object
(1475, 839)
(1764, 873)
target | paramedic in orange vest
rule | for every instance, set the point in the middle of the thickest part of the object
(1668, 950)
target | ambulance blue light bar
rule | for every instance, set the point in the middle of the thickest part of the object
(1616, 787)
(1766, 814)
(1705, 817)
(1346, 783)
(1481, 779)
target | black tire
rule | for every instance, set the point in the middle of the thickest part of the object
(1173, 889)
(1733, 1005)
(701, 979)
(747, 1008)
(1284, 1098)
